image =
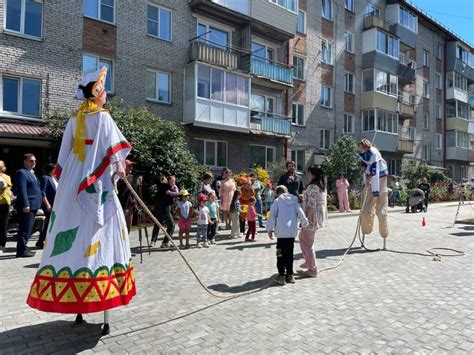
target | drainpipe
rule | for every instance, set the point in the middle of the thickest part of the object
(285, 145)
(444, 106)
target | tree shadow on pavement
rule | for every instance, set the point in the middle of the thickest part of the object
(463, 234)
(248, 286)
(242, 245)
(51, 337)
(323, 254)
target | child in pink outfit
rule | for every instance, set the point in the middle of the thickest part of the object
(342, 194)
(251, 220)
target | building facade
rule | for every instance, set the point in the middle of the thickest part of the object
(251, 81)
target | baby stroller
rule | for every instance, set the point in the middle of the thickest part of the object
(416, 201)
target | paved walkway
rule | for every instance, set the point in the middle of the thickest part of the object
(379, 302)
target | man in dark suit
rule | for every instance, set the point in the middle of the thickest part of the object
(49, 184)
(28, 202)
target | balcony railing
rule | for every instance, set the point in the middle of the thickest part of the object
(271, 71)
(205, 52)
(272, 124)
(405, 145)
(405, 110)
(373, 20)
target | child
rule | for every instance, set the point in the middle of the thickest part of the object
(235, 214)
(251, 219)
(284, 221)
(185, 214)
(213, 207)
(267, 196)
(203, 221)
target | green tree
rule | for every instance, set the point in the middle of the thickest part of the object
(159, 146)
(342, 158)
(413, 173)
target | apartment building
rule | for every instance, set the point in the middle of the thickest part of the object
(251, 81)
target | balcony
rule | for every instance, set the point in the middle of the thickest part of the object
(372, 20)
(405, 146)
(261, 123)
(457, 124)
(461, 154)
(406, 74)
(207, 53)
(406, 111)
(385, 142)
(377, 99)
(272, 71)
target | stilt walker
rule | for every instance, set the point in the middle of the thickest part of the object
(375, 196)
(86, 264)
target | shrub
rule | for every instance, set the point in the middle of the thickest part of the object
(277, 169)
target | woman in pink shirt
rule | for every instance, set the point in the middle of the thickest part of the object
(226, 192)
(342, 194)
(251, 218)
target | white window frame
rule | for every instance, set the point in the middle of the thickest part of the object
(426, 58)
(375, 10)
(346, 2)
(266, 151)
(439, 112)
(156, 72)
(294, 157)
(330, 96)
(331, 10)
(426, 93)
(415, 30)
(439, 81)
(411, 133)
(350, 36)
(439, 51)
(377, 116)
(426, 121)
(285, 7)
(112, 74)
(304, 21)
(99, 12)
(330, 48)
(209, 24)
(386, 36)
(20, 97)
(171, 22)
(22, 21)
(350, 117)
(215, 151)
(294, 107)
(425, 152)
(267, 98)
(348, 75)
(439, 141)
(322, 139)
(294, 68)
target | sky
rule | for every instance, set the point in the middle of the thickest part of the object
(456, 15)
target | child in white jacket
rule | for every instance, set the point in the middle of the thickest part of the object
(283, 221)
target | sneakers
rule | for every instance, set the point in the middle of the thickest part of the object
(310, 273)
(280, 280)
(39, 245)
(290, 279)
(187, 246)
(26, 254)
(213, 242)
(252, 240)
(304, 266)
(206, 245)
(164, 246)
(199, 245)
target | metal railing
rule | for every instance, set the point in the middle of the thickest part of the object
(212, 54)
(270, 123)
(271, 70)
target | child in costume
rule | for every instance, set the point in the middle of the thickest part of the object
(251, 219)
(86, 264)
(234, 215)
(213, 207)
(185, 214)
(203, 222)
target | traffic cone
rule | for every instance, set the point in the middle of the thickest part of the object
(423, 222)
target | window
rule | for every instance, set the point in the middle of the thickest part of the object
(298, 156)
(211, 153)
(394, 167)
(100, 9)
(219, 85)
(262, 104)
(411, 133)
(462, 54)
(439, 51)
(386, 82)
(402, 58)
(349, 126)
(326, 52)
(439, 113)
(372, 10)
(301, 28)
(439, 81)
(426, 89)
(349, 42)
(349, 82)
(462, 109)
(24, 16)
(20, 96)
(158, 86)
(439, 141)
(411, 99)
(368, 80)
(327, 9)
(407, 19)
(462, 140)
(450, 171)
(426, 58)
(91, 63)
(425, 153)
(262, 52)
(326, 100)
(426, 121)
(324, 136)
(213, 36)
(349, 5)
(261, 155)
(460, 81)
(159, 22)
(380, 120)
(290, 5)
(298, 68)
(388, 44)
(298, 114)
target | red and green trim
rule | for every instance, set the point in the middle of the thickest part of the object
(97, 173)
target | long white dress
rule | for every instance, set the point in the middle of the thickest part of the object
(86, 263)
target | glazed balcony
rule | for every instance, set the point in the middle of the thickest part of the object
(212, 54)
(262, 123)
(272, 71)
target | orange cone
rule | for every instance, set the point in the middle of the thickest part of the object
(423, 222)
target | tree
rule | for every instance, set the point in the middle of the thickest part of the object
(413, 173)
(342, 158)
(159, 146)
